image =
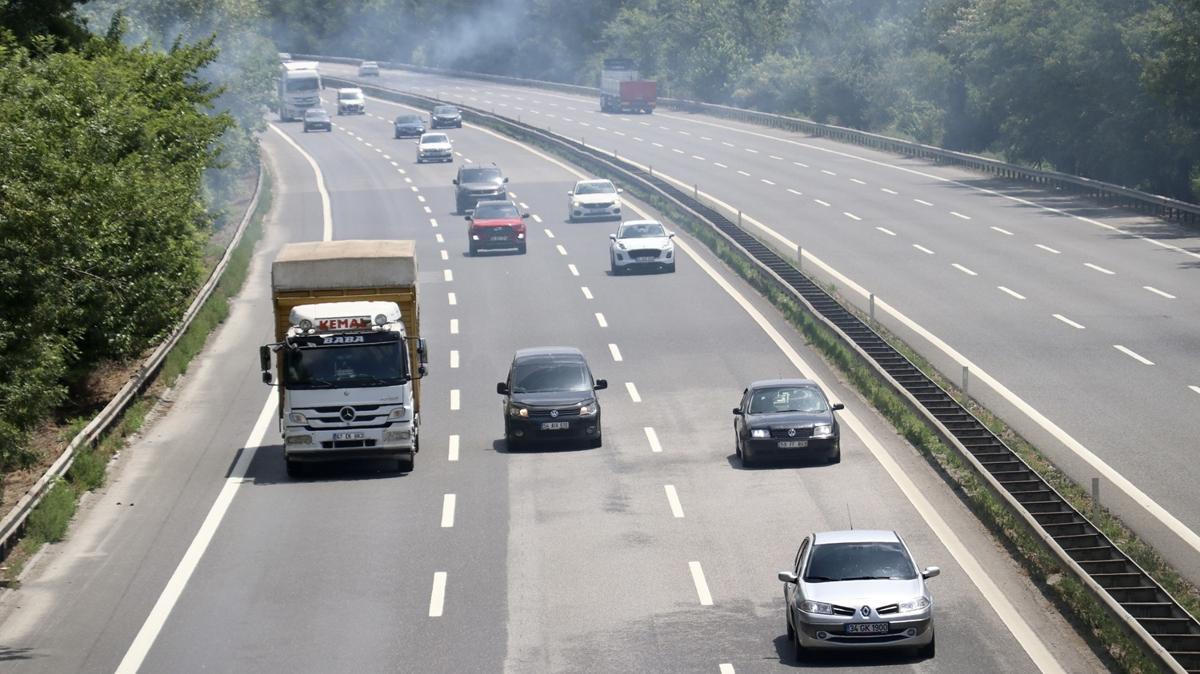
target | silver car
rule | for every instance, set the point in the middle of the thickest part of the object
(858, 590)
(641, 244)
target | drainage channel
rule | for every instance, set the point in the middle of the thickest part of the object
(1143, 599)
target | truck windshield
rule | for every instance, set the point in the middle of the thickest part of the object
(303, 83)
(346, 366)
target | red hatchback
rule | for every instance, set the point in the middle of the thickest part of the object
(496, 225)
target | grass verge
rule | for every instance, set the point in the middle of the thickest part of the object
(49, 520)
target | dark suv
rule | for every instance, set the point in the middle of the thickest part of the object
(445, 115)
(550, 395)
(478, 183)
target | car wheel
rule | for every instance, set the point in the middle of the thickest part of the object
(737, 446)
(472, 251)
(296, 469)
(928, 650)
(671, 268)
(835, 456)
(801, 651)
(514, 445)
(747, 459)
(791, 631)
(597, 441)
(521, 249)
(306, 129)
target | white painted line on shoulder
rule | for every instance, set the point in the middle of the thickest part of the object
(454, 399)
(652, 438)
(574, 271)
(823, 203)
(766, 181)
(437, 598)
(452, 299)
(701, 584)
(586, 292)
(454, 326)
(1011, 292)
(561, 250)
(719, 164)
(960, 215)
(887, 231)
(549, 233)
(850, 215)
(698, 157)
(828, 172)
(452, 452)
(856, 180)
(1003, 231)
(796, 192)
(439, 239)
(600, 319)
(963, 269)
(445, 254)
(673, 501)
(743, 173)
(923, 249)
(1068, 321)
(633, 392)
(884, 189)
(1048, 249)
(727, 144)
(326, 208)
(448, 502)
(1156, 291)
(453, 358)
(537, 218)
(726, 668)
(150, 629)
(922, 202)
(1098, 268)
(616, 353)
(1133, 355)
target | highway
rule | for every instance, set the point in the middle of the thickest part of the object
(654, 553)
(1080, 322)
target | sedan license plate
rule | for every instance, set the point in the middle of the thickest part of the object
(555, 425)
(350, 436)
(499, 237)
(867, 628)
(791, 444)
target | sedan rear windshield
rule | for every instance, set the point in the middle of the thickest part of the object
(445, 110)
(408, 119)
(480, 175)
(545, 376)
(786, 399)
(486, 211)
(859, 561)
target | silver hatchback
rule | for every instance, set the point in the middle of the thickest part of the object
(858, 590)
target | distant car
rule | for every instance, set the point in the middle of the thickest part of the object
(445, 115)
(496, 224)
(408, 126)
(350, 101)
(857, 589)
(317, 118)
(786, 417)
(550, 394)
(434, 147)
(478, 183)
(368, 69)
(593, 199)
(641, 244)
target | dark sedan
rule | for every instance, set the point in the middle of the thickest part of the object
(445, 115)
(317, 118)
(409, 126)
(786, 418)
(550, 395)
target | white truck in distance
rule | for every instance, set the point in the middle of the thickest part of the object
(349, 356)
(299, 89)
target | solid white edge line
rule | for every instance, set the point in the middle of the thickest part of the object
(452, 449)
(633, 392)
(448, 503)
(1132, 354)
(701, 584)
(137, 651)
(673, 501)
(437, 596)
(326, 208)
(652, 438)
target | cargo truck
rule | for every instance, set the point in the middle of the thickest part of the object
(622, 90)
(299, 86)
(349, 357)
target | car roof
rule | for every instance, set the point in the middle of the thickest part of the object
(764, 383)
(544, 351)
(855, 536)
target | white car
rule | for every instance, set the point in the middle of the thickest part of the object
(641, 244)
(434, 147)
(368, 68)
(594, 199)
(351, 102)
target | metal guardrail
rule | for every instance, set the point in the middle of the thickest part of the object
(1157, 205)
(14, 522)
(1146, 611)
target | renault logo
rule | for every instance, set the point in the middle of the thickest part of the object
(791, 432)
(865, 611)
(554, 413)
(347, 414)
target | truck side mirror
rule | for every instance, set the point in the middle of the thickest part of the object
(422, 351)
(502, 388)
(422, 371)
(264, 358)
(455, 181)
(268, 379)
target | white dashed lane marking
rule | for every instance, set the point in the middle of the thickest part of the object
(616, 353)
(960, 215)
(923, 249)
(922, 202)
(796, 192)
(701, 584)
(823, 203)
(448, 275)
(1011, 292)
(963, 269)
(850, 215)
(1003, 231)
(887, 231)
(452, 452)
(452, 298)
(549, 233)
(453, 358)
(1131, 354)
(600, 319)
(437, 598)
(448, 502)
(454, 400)
(884, 189)
(652, 438)
(1068, 321)
(454, 326)
(1098, 268)
(633, 392)
(673, 500)
(574, 271)
(586, 292)
(828, 172)
(561, 250)
(1156, 291)
(1048, 249)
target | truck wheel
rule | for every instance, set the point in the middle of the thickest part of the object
(296, 469)
(405, 464)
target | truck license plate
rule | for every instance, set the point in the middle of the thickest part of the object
(350, 436)
(790, 444)
(866, 628)
(555, 425)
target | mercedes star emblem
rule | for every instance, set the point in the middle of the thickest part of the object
(791, 432)
(553, 413)
(347, 414)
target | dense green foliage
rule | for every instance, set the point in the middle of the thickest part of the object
(104, 149)
(1109, 89)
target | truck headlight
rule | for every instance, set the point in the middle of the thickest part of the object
(396, 436)
(816, 607)
(397, 413)
(297, 418)
(520, 412)
(299, 439)
(915, 604)
(760, 433)
(822, 430)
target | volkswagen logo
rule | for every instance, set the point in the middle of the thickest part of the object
(791, 432)
(347, 414)
(865, 611)
(554, 413)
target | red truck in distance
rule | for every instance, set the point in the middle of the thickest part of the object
(622, 90)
